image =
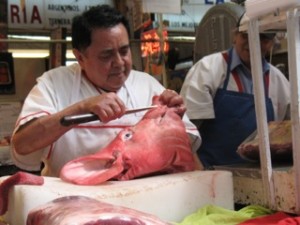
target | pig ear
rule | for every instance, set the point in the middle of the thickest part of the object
(91, 170)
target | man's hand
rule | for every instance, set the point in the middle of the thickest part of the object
(172, 99)
(107, 106)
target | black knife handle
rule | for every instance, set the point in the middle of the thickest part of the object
(77, 119)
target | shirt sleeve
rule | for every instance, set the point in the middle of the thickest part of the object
(38, 103)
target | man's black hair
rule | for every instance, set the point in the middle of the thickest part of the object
(101, 16)
(239, 20)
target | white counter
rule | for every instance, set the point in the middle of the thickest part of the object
(170, 197)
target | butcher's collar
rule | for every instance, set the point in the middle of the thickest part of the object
(236, 61)
(100, 90)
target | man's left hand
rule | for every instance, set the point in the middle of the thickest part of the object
(172, 99)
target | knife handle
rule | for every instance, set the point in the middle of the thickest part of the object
(77, 119)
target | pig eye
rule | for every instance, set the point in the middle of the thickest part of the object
(127, 135)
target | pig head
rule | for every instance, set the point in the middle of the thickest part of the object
(157, 144)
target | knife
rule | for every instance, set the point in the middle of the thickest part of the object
(88, 117)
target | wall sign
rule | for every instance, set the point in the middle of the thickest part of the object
(47, 14)
(159, 6)
(192, 12)
(212, 2)
(201, 2)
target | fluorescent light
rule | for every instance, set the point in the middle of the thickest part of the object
(36, 53)
(39, 38)
(24, 53)
(22, 37)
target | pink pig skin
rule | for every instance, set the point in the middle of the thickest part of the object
(16, 179)
(80, 210)
(157, 144)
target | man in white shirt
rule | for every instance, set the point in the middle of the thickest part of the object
(102, 83)
(218, 93)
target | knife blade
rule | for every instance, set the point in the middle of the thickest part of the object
(88, 117)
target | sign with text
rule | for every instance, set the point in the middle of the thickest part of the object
(159, 6)
(192, 12)
(47, 14)
(206, 2)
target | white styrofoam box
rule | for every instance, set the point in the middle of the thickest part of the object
(170, 197)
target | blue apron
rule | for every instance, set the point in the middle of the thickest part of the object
(234, 121)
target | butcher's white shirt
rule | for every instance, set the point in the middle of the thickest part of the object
(64, 86)
(208, 74)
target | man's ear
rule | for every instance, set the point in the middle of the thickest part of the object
(234, 33)
(78, 56)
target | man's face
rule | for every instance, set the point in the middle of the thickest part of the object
(242, 47)
(107, 61)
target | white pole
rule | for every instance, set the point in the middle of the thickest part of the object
(294, 77)
(260, 109)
